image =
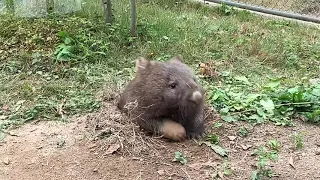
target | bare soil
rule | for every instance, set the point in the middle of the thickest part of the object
(105, 145)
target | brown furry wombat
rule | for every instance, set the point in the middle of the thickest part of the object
(165, 99)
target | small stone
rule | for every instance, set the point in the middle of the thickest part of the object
(92, 146)
(6, 161)
(161, 172)
(95, 170)
(231, 138)
(318, 152)
(245, 147)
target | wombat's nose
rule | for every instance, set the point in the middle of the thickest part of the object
(196, 96)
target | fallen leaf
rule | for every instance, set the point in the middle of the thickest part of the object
(112, 148)
(231, 138)
(291, 161)
(219, 150)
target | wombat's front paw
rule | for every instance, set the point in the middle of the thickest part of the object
(173, 130)
(195, 135)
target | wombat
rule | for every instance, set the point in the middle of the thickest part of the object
(164, 98)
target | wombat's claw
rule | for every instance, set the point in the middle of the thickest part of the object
(194, 135)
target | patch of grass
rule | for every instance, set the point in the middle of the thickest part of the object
(59, 66)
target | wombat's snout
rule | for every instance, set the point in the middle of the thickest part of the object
(196, 96)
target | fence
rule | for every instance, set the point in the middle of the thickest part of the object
(298, 9)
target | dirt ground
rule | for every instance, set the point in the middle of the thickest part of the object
(105, 145)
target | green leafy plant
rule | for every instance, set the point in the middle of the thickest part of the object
(275, 103)
(213, 138)
(223, 170)
(242, 131)
(274, 144)
(224, 9)
(263, 157)
(213, 142)
(217, 125)
(297, 139)
(179, 157)
(65, 50)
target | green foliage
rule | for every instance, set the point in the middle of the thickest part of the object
(213, 141)
(217, 125)
(274, 144)
(275, 103)
(263, 157)
(223, 169)
(297, 139)
(242, 131)
(65, 50)
(179, 157)
(224, 9)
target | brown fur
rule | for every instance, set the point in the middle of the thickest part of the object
(164, 98)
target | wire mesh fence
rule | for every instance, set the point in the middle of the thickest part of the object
(309, 7)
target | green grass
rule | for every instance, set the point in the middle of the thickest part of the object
(99, 60)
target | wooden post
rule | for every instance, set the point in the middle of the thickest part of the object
(108, 10)
(133, 18)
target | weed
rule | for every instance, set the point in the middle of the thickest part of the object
(217, 125)
(213, 142)
(242, 131)
(297, 139)
(274, 103)
(274, 144)
(263, 157)
(224, 170)
(65, 50)
(213, 138)
(179, 157)
(224, 9)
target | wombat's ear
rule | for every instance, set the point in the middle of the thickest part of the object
(142, 63)
(177, 58)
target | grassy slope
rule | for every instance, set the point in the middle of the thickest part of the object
(241, 43)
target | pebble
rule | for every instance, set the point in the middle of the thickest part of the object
(95, 170)
(6, 161)
(232, 138)
(318, 152)
(161, 172)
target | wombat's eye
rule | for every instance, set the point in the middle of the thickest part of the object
(173, 85)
